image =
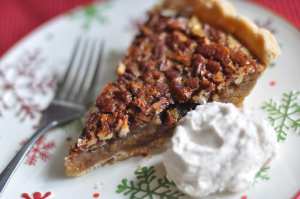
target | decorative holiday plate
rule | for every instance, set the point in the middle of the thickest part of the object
(27, 84)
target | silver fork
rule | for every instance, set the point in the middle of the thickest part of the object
(70, 101)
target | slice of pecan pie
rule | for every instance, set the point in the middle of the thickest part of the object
(187, 53)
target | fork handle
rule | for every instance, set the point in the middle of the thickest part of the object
(10, 169)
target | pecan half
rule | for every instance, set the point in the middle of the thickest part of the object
(213, 66)
(181, 93)
(125, 96)
(192, 83)
(105, 105)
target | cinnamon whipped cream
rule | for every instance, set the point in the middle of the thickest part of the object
(219, 147)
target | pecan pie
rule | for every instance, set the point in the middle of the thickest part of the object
(187, 53)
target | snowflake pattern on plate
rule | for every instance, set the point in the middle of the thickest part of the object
(267, 24)
(21, 81)
(261, 175)
(145, 187)
(284, 116)
(39, 150)
(91, 13)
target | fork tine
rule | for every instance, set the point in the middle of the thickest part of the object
(84, 67)
(72, 70)
(92, 72)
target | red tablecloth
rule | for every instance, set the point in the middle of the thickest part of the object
(19, 17)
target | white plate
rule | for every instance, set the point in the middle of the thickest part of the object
(26, 87)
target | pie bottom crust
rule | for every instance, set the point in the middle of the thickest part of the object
(139, 140)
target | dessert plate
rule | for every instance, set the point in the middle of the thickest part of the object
(29, 70)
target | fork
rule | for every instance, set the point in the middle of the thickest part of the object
(70, 100)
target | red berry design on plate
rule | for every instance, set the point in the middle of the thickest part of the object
(36, 195)
(272, 83)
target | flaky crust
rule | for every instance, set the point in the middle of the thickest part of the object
(221, 14)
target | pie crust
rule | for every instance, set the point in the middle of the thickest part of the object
(221, 14)
(187, 53)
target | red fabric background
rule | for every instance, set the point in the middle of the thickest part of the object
(288, 9)
(19, 17)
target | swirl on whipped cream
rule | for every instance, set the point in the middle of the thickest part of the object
(219, 147)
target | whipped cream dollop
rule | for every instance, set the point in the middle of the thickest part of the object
(218, 147)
